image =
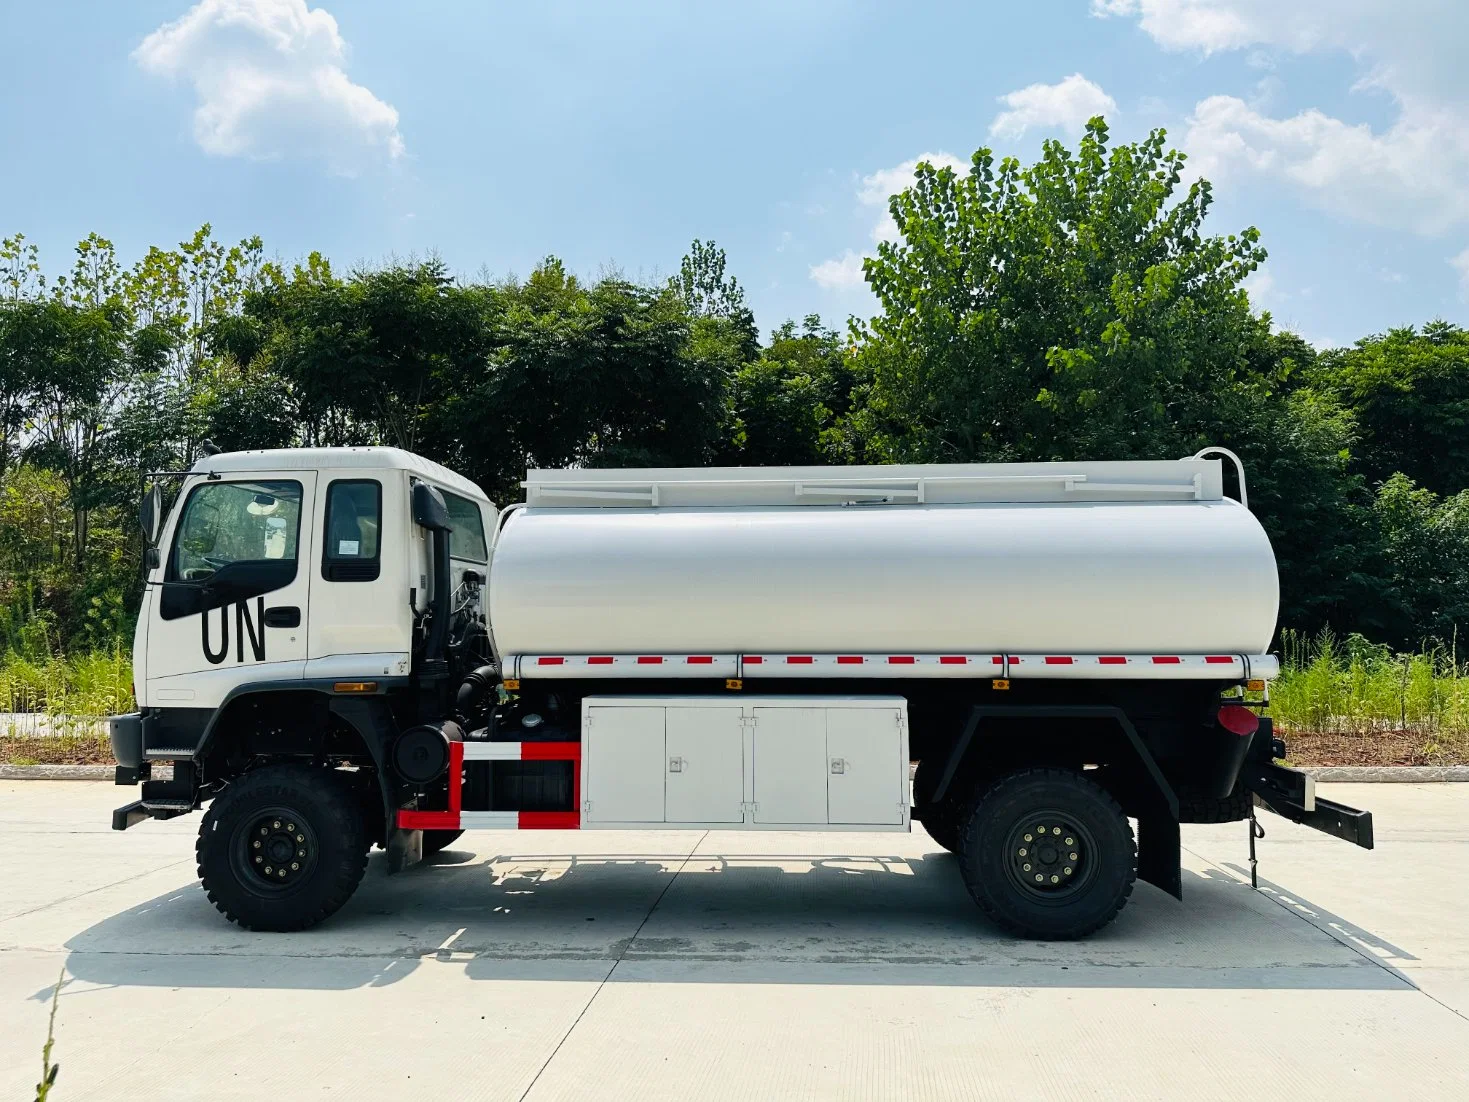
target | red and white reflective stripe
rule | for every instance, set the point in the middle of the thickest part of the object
(1150, 667)
(870, 665)
(454, 818)
(885, 665)
(566, 666)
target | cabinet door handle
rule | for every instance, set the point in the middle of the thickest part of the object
(675, 765)
(838, 765)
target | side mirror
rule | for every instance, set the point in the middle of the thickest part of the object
(429, 510)
(150, 515)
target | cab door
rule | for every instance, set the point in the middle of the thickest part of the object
(229, 601)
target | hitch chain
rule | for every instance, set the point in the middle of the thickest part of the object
(1256, 831)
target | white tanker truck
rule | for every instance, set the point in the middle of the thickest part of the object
(341, 648)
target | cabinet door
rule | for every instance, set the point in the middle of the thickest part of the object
(865, 771)
(624, 765)
(705, 779)
(790, 765)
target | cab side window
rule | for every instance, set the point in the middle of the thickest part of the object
(351, 550)
(467, 540)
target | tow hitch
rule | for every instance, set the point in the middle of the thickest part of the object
(1291, 794)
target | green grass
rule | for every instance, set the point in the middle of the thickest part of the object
(84, 686)
(1356, 687)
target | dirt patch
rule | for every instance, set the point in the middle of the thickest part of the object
(1388, 747)
(84, 750)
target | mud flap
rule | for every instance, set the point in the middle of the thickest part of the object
(405, 849)
(1160, 853)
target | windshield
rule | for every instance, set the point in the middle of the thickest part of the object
(226, 522)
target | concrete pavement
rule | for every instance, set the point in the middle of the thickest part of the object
(681, 965)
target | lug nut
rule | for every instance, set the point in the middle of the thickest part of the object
(1071, 841)
(264, 830)
(268, 870)
(302, 838)
(290, 827)
(256, 843)
(1039, 878)
(300, 853)
(1040, 830)
(276, 824)
(295, 867)
(1073, 857)
(1066, 871)
(1028, 838)
(1022, 851)
(1055, 830)
(1055, 880)
(282, 874)
(1025, 868)
(258, 859)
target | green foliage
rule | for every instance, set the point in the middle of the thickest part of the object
(791, 403)
(1410, 393)
(1073, 308)
(1354, 686)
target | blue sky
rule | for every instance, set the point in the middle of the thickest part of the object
(613, 133)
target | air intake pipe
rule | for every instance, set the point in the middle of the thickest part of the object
(430, 512)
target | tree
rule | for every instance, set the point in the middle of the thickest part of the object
(365, 356)
(1072, 308)
(1425, 541)
(788, 402)
(716, 302)
(1409, 390)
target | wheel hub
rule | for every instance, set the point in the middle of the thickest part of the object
(276, 848)
(1048, 854)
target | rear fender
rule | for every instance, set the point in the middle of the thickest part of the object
(1148, 793)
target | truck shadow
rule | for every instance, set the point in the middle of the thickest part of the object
(719, 918)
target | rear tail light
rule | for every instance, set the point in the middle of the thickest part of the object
(1238, 720)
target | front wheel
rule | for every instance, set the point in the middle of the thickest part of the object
(282, 848)
(1047, 854)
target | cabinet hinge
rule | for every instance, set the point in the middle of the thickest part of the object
(586, 805)
(749, 721)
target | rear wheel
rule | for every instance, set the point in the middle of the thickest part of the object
(1047, 854)
(282, 848)
(435, 840)
(1196, 806)
(941, 819)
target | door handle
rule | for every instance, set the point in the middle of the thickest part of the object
(283, 616)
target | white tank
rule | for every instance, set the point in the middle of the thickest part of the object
(1033, 558)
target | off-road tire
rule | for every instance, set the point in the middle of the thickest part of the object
(326, 813)
(996, 823)
(1196, 807)
(436, 840)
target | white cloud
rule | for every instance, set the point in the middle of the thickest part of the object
(1461, 265)
(1412, 175)
(840, 273)
(270, 80)
(1065, 106)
